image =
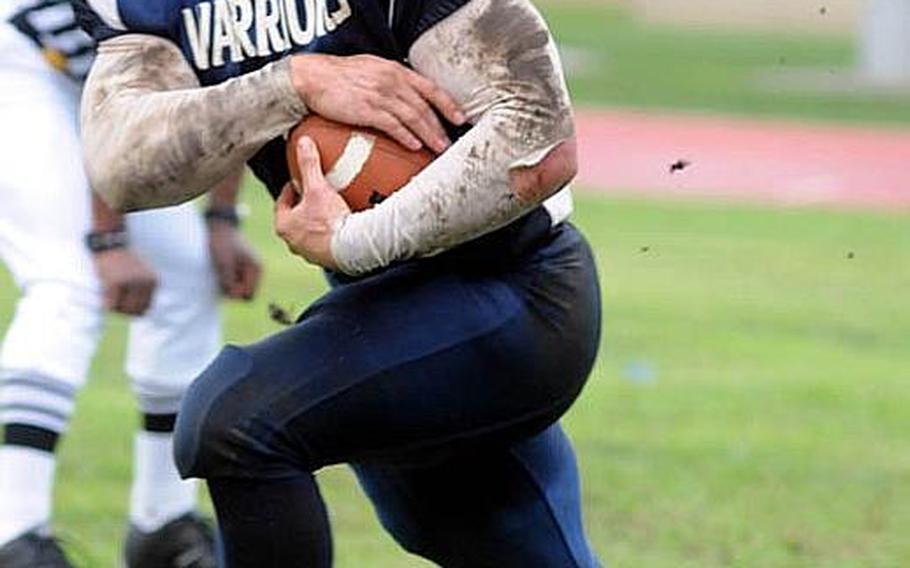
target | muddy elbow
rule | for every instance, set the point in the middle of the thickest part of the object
(117, 192)
(534, 184)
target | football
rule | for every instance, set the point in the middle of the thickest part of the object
(364, 165)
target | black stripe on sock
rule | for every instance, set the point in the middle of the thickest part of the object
(29, 436)
(159, 423)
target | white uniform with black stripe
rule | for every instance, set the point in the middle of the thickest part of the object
(44, 216)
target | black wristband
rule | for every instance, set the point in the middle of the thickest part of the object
(101, 241)
(223, 215)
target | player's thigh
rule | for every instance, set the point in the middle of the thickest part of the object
(45, 194)
(514, 507)
(53, 333)
(181, 333)
(412, 360)
(44, 216)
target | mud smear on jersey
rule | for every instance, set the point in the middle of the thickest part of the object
(512, 34)
(181, 139)
(497, 58)
(136, 64)
(516, 37)
(508, 44)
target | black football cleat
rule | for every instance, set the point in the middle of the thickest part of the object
(33, 550)
(186, 542)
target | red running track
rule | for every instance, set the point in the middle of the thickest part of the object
(741, 159)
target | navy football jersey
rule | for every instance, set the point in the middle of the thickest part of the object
(226, 38)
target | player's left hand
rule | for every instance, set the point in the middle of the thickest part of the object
(128, 283)
(307, 217)
(236, 263)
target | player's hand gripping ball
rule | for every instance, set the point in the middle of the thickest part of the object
(364, 165)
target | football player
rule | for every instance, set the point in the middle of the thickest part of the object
(70, 266)
(464, 316)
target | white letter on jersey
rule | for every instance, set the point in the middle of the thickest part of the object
(283, 24)
(268, 33)
(341, 14)
(223, 35)
(199, 36)
(301, 36)
(321, 16)
(243, 23)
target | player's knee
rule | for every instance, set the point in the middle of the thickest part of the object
(205, 437)
(55, 330)
(227, 425)
(73, 307)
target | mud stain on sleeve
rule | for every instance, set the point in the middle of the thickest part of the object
(153, 137)
(499, 61)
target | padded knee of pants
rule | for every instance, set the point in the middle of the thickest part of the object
(217, 433)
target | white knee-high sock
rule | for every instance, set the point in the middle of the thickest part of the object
(26, 490)
(158, 494)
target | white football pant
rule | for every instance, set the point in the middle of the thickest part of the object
(44, 216)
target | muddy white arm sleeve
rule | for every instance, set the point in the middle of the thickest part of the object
(153, 137)
(499, 61)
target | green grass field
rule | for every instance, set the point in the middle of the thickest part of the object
(772, 434)
(627, 63)
(750, 406)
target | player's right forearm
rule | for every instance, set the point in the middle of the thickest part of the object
(153, 137)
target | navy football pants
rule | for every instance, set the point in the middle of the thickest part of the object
(440, 381)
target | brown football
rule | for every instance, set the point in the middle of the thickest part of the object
(363, 164)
